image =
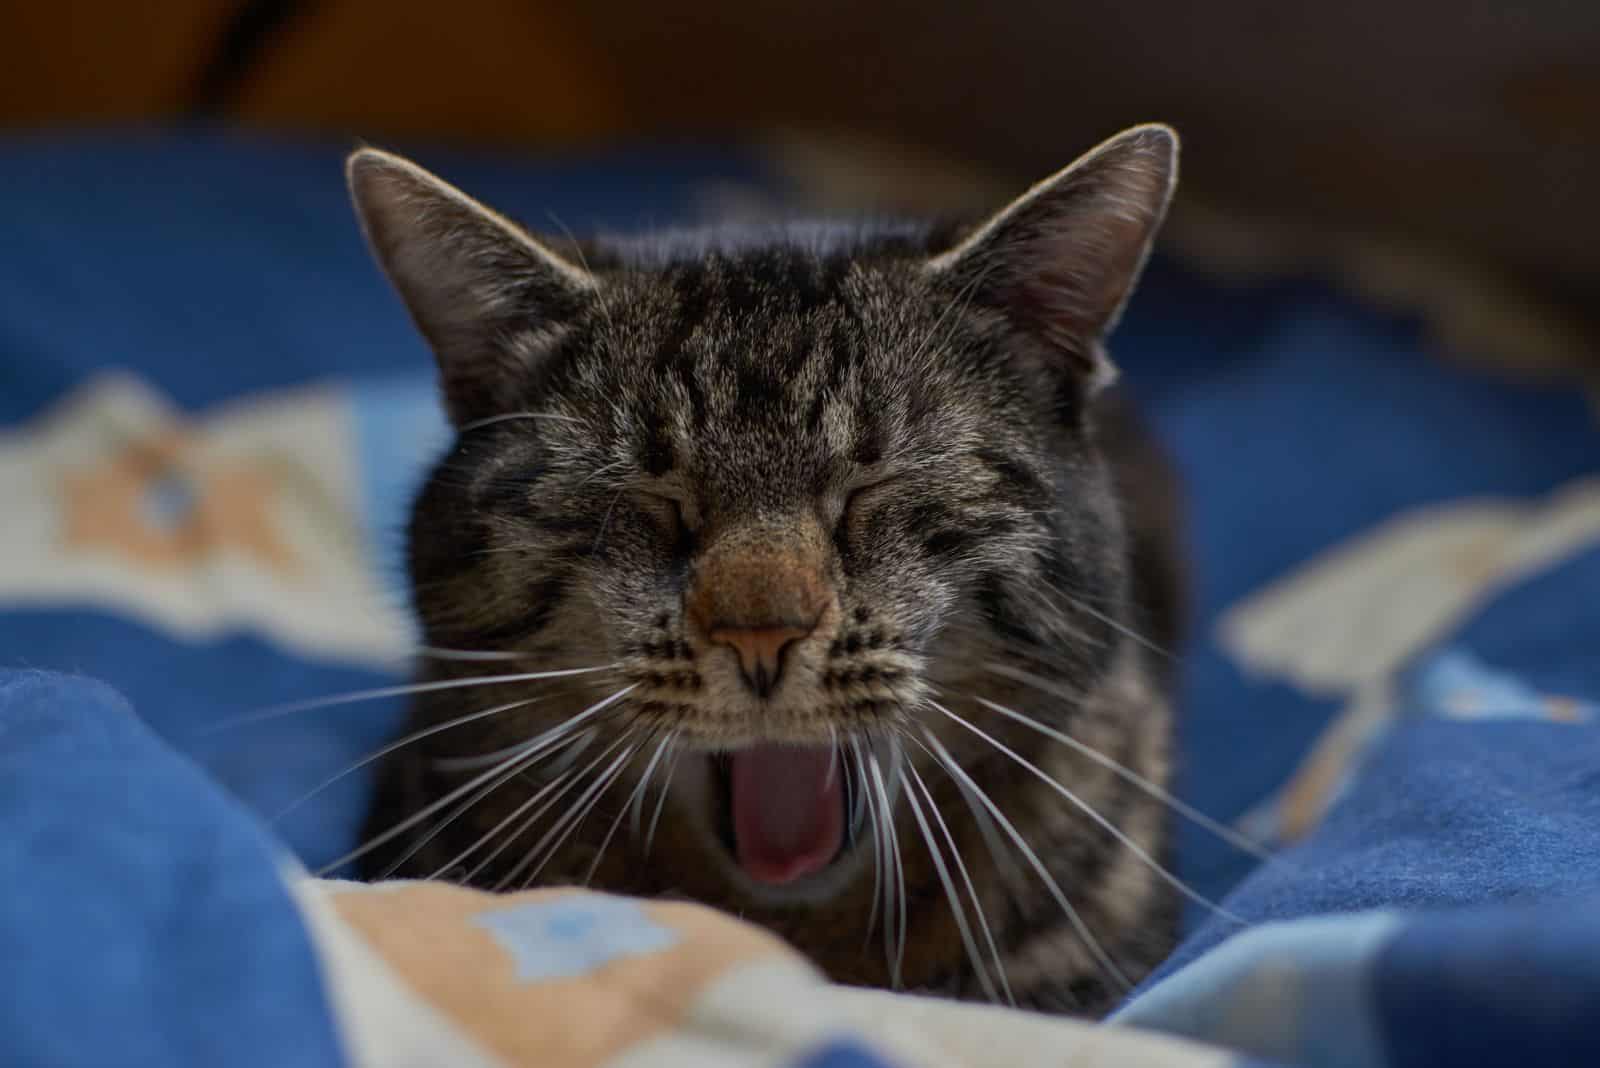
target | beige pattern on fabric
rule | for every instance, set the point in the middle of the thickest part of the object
(433, 936)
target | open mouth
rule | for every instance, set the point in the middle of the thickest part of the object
(784, 811)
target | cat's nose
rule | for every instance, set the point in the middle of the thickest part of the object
(760, 651)
(757, 590)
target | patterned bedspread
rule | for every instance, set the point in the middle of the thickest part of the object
(211, 417)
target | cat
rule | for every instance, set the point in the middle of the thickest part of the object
(796, 570)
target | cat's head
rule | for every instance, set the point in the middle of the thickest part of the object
(789, 484)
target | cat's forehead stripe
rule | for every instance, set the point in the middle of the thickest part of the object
(794, 374)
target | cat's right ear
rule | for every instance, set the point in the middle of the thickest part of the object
(1060, 260)
(489, 299)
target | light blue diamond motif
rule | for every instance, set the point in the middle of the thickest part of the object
(574, 936)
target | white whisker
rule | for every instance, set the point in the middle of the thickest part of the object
(962, 299)
(509, 416)
(1088, 810)
(605, 521)
(966, 879)
(601, 470)
(568, 821)
(469, 763)
(565, 782)
(1221, 830)
(415, 736)
(608, 779)
(1022, 648)
(519, 767)
(886, 813)
(560, 730)
(515, 763)
(398, 691)
(506, 769)
(833, 758)
(559, 785)
(583, 261)
(661, 802)
(953, 768)
(631, 804)
(957, 910)
(877, 844)
(1080, 605)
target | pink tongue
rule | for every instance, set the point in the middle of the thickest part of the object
(788, 810)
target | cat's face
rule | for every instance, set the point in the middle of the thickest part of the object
(787, 490)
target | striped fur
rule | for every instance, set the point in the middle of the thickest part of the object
(920, 409)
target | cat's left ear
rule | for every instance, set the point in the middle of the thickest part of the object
(490, 299)
(1060, 261)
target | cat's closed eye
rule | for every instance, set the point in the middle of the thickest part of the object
(863, 499)
(670, 513)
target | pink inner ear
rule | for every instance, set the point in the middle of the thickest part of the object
(1069, 251)
(1072, 274)
(788, 810)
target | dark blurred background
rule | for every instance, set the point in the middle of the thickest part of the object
(1444, 152)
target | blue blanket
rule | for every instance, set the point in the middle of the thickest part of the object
(145, 922)
(207, 443)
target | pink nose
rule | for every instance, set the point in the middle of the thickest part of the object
(760, 651)
(757, 589)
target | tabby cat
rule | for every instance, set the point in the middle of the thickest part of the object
(809, 571)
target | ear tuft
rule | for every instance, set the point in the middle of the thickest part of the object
(1060, 261)
(487, 296)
